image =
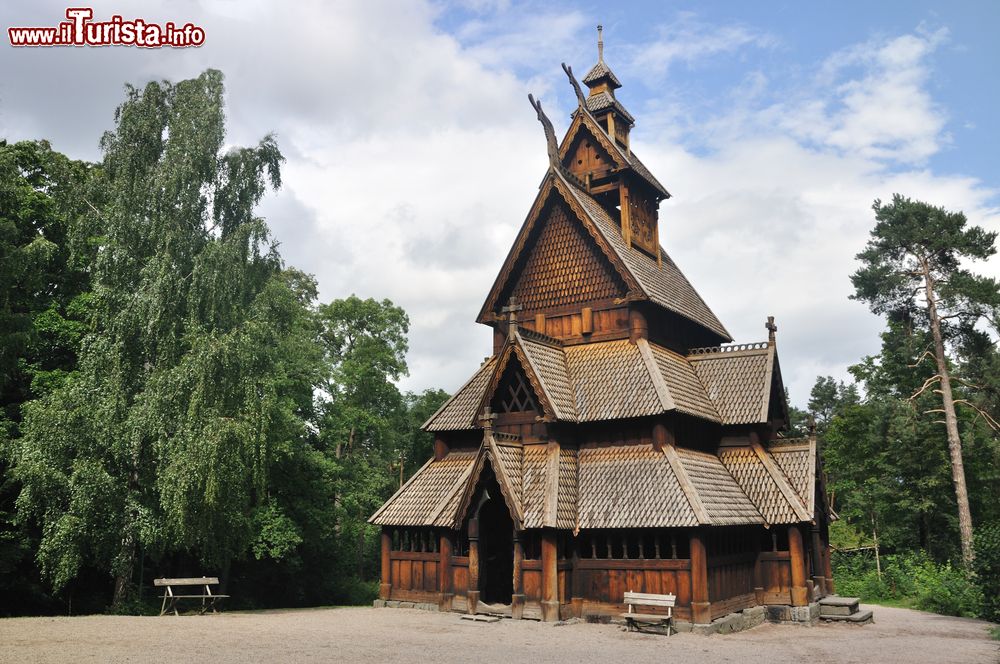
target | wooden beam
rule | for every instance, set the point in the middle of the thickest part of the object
(701, 608)
(550, 576)
(587, 320)
(796, 549)
(625, 217)
(386, 585)
(540, 323)
(663, 436)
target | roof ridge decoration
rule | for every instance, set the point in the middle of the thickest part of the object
(781, 480)
(723, 349)
(687, 486)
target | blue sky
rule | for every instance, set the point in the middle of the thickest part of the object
(413, 156)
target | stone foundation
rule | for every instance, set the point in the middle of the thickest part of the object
(794, 615)
(396, 604)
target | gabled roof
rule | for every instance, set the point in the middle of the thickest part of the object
(725, 503)
(739, 380)
(623, 157)
(663, 284)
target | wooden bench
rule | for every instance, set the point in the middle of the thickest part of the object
(634, 620)
(171, 598)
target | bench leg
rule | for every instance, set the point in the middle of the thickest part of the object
(163, 607)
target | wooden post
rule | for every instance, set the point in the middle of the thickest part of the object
(819, 578)
(639, 328)
(576, 582)
(550, 576)
(386, 586)
(827, 567)
(540, 323)
(444, 572)
(440, 448)
(662, 436)
(758, 574)
(701, 608)
(796, 550)
(473, 593)
(517, 599)
(587, 320)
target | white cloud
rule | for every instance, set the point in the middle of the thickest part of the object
(413, 155)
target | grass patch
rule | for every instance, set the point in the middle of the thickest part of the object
(995, 633)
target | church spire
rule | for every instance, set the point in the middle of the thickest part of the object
(601, 101)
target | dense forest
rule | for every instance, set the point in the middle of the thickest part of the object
(175, 400)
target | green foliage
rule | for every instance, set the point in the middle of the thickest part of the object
(988, 568)
(908, 234)
(909, 579)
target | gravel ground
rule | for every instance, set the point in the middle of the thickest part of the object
(395, 635)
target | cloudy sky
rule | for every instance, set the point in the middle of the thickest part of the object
(413, 154)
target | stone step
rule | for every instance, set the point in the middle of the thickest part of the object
(857, 618)
(834, 605)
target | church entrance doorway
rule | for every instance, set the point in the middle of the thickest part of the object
(496, 546)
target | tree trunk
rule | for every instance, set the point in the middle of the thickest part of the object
(950, 423)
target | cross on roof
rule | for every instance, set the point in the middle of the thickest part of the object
(513, 306)
(486, 419)
(771, 329)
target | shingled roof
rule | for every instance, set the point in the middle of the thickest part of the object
(602, 100)
(617, 486)
(661, 283)
(738, 380)
(574, 386)
(599, 71)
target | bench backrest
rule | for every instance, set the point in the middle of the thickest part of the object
(194, 581)
(649, 599)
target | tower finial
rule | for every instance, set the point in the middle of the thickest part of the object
(600, 43)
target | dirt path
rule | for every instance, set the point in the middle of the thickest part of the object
(397, 635)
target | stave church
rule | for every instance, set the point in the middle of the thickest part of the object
(616, 439)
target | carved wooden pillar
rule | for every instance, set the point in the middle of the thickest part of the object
(444, 572)
(550, 576)
(701, 608)
(473, 593)
(517, 599)
(796, 550)
(819, 576)
(386, 586)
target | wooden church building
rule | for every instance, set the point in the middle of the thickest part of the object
(615, 440)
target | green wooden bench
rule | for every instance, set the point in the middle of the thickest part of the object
(171, 596)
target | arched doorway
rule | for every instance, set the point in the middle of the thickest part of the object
(496, 544)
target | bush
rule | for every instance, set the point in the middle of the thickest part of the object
(911, 577)
(988, 568)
